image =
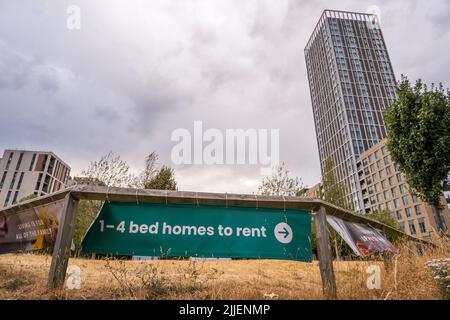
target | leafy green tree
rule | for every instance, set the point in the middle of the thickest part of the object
(111, 171)
(280, 183)
(87, 211)
(29, 197)
(333, 190)
(384, 217)
(418, 125)
(164, 179)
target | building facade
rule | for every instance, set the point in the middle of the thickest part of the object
(384, 188)
(351, 83)
(24, 173)
(314, 192)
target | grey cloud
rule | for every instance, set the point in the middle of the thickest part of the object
(135, 72)
(14, 69)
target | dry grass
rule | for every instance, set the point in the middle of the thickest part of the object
(23, 276)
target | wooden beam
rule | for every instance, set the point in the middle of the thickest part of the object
(186, 197)
(61, 250)
(86, 192)
(189, 197)
(324, 255)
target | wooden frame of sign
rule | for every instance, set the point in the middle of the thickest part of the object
(71, 196)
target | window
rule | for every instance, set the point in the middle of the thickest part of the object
(20, 161)
(371, 160)
(2, 182)
(402, 226)
(387, 160)
(388, 171)
(7, 198)
(415, 200)
(13, 180)
(33, 160)
(405, 200)
(387, 195)
(408, 212)
(9, 161)
(38, 183)
(19, 184)
(412, 228)
(383, 184)
(418, 210)
(402, 188)
(380, 197)
(16, 194)
(384, 150)
(381, 173)
(397, 203)
(394, 192)
(377, 155)
(399, 178)
(399, 215)
(422, 227)
(391, 181)
(389, 205)
(44, 163)
(379, 165)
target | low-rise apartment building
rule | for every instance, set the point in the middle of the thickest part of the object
(384, 187)
(24, 173)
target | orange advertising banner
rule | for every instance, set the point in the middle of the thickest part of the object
(31, 229)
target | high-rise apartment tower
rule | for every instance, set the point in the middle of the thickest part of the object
(352, 82)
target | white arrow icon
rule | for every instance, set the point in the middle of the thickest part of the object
(283, 233)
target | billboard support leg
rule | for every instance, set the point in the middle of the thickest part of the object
(61, 250)
(324, 255)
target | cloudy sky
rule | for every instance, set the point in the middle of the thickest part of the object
(137, 70)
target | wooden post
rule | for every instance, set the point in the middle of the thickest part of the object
(61, 250)
(324, 255)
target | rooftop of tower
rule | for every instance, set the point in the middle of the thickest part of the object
(344, 15)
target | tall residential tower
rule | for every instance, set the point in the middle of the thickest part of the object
(351, 82)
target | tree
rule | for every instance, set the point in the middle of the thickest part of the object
(334, 191)
(27, 198)
(149, 172)
(384, 217)
(164, 179)
(418, 125)
(281, 184)
(111, 171)
(87, 211)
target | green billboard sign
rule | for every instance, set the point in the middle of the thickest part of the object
(200, 231)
